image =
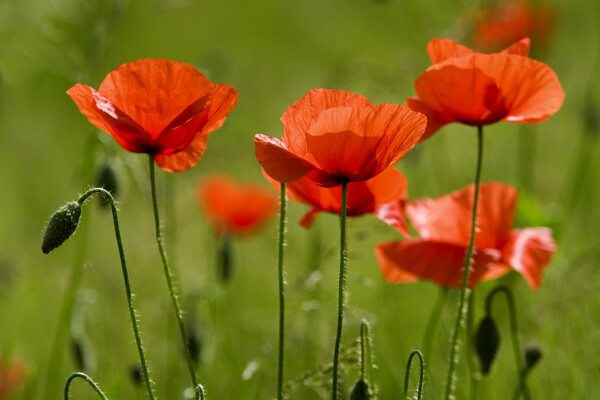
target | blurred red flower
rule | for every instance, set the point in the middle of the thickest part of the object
(384, 195)
(503, 23)
(444, 227)
(333, 137)
(481, 89)
(12, 376)
(237, 209)
(157, 106)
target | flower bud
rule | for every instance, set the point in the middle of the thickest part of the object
(62, 225)
(487, 341)
(532, 357)
(360, 391)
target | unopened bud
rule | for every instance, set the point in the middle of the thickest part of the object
(487, 341)
(62, 225)
(532, 357)
(360, 391)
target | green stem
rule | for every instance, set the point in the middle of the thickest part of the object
(168, 276)
(282, 201)
(512, 313)
(341, 291)
(464, 291)
(421, 374)
(132, 312)
(88, 380)
(364, 332)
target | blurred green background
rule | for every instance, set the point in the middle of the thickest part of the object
(273, 52)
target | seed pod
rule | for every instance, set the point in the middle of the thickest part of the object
(360, 391)
(107, 178)
(62, 225)
(487, 341)
(532, 357)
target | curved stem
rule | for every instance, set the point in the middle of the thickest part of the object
(512, 313)
(407, 374)
(282, 201)
(463, 304)
(168, 277)
(132, 312)
(341, 291)
(88, 380)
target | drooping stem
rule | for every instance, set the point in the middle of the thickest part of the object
(132, 312)
(282, 203)
(512, 313)
(341, 290)
(464, 291)
(421, 374)
(88, 380)
(169, 278)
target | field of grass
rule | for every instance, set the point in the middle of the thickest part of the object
(273, 52)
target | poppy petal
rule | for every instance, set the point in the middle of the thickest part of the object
(308, 218)
(356, 144)
(528, 252)
(223, 100)
(278, 162)
(83, 97)
(393, 214)
(153, 92)
(520, 48)
(435, 119)
(298, 117)
(440, 50)
(441, 263)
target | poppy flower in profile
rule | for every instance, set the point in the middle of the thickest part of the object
(236, 209)
(503, 23)
(12, 376)
(481, 89)
(157, 106)
(444, 226)
(384, 195)
(333, 137)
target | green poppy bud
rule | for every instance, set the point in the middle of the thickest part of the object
(360, 391)
(532, 357)
(487, 341)
(62, 225)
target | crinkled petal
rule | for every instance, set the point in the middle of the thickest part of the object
(441, 263)
(278, 162)
(440, 50)
(153, 92)
(223, 100)
(529, 251)
(356, 144)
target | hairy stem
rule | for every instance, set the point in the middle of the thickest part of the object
(282, 201)
(421, 374)
(86, 378)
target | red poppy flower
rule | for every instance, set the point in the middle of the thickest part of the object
(12, 376)
(157, 106)
(333, 137)
(233, 208)
(385, 196)
(481, 89)
(444, 226)
(503, 23)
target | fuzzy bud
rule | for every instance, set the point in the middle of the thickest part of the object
(360, 391)
(487, 341)
(62, 225)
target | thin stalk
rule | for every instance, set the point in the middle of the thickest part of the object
(463, 304)
(88, 380)
(169, 278)
(512, 313)
(132, 311)
(364, 332)
(283, 203)
(341, 290)
(407, 374)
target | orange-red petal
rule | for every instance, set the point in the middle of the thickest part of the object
(441, 263)
(223, 100)
(435, 119)
(440, 50)
(277, 161)
(528, 252)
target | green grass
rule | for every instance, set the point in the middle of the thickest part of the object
(273, 52)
